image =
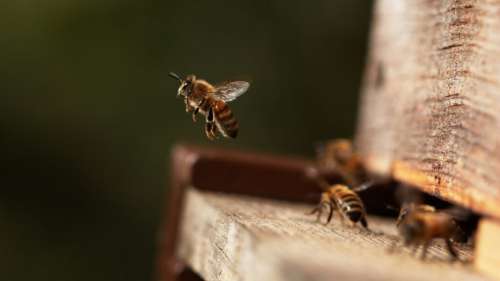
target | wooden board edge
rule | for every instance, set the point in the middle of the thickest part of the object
(487, 256)
(465, 196)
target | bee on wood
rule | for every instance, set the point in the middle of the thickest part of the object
(420, 224)
(343, 200)
(412, 207)
(211, 101)
(339, 157)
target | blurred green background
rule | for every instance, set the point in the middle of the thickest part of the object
(88, 114)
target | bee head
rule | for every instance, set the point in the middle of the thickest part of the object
(185, 87)
(411, 229)
(406, 208)
(341, 149)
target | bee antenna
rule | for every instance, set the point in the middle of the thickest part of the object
(365, 186)
(175, 76)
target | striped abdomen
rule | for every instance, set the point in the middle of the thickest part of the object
(224, 118)
(349, 203)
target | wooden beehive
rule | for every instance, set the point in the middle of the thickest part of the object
(228, 228)
(430, 110)
(429, 118)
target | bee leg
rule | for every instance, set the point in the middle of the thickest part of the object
(316, 210)
(208, 130)
(213, 132)
(424, 249)
(197, 109)
(188, 107)
(209, 119)
(330, 214)
(210, 116)
(364, 223)
(324, 202)
(194, 113)
(319, 210)
(453, 252)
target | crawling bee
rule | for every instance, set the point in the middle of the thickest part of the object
(340, 198)
(406, 208)
(420, 224)
(211, 101)
(339, 157)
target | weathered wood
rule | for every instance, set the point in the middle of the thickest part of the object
(237, 172)
(268, 176)
(228, 237)
(486, 253)
(430, 112)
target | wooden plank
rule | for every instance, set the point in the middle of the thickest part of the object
(229, 237)
(430, 112)
(487, 256)
(256, 174)
(248, 173)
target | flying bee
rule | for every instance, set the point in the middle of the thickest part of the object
(340, 198)
(339, 157)
(211, 101)
(420, 224)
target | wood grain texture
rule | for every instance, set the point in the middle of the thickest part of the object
(430, 112)
(228, 237)
(250, 173)
(486, 254)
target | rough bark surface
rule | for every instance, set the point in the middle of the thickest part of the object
(430, 110)
(227, 237)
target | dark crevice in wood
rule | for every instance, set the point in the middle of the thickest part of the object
(466, 219)
(189, 275)
(451, 46)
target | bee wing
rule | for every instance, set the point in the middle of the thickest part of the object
(364, 186)
(229, 91)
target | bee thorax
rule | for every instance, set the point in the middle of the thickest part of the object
(198, 104)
